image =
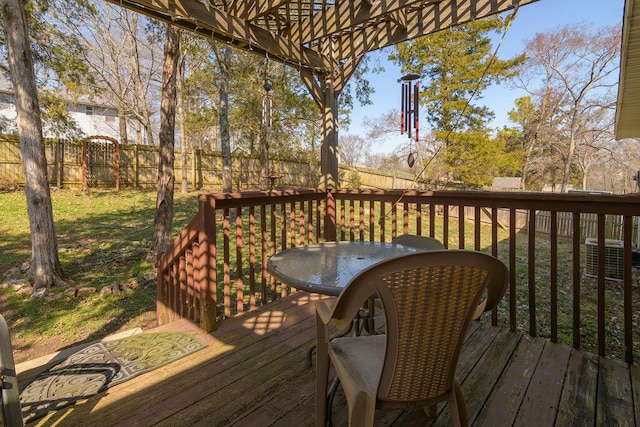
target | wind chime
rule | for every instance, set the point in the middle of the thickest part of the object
(266, 124)
(409, 114)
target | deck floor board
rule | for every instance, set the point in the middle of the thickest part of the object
(254, 372)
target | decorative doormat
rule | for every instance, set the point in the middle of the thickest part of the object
(102, 365)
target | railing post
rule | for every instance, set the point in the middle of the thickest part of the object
(207, 266)
(330, 218)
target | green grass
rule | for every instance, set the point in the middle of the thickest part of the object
(103, 237)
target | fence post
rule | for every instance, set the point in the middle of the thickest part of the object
(85, 161)
(116, 163)
(135, 166)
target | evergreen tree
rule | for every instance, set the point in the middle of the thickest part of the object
(455, 66)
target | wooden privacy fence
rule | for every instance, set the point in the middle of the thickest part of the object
(101, 162)
(217, 267)
(588, 225)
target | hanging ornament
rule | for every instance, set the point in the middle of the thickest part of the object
(409, 113)
(411, 160)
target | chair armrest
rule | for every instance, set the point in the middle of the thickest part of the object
(324, 312)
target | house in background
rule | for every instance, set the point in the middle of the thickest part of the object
(92, 118)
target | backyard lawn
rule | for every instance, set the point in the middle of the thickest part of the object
(103, 237)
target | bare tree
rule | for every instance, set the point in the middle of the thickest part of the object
(353, 149)
(570, 74)
(123, 59)
(166, 176)
(45, 268)
(225, 56)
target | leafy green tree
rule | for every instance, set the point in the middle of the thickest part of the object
(475, 157)
(455, 66)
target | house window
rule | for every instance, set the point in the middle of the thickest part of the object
(89, 110)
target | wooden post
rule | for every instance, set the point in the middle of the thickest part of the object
(206, 265)
(85, 162)
(330, 218)
(58, 163)
(329, 149)
(116, 163)
(136, 178)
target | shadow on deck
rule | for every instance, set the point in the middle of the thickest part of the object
(254, 372)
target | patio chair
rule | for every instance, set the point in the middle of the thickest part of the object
(429, 301)
(415, 241)
(11, 410)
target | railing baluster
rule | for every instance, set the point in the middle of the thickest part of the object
(445, 226)
(601, 284)
(352, 221)
(372, 219)
(343, 221)
(361, 226)
(627, 230)
(273, 246)
(553, 279)
(394, 220)
(531, 269)
(382, 221)
(461, 236)
(182, 278)
(405, 218)
(239, 274)
(576, 241)
(252, 258)
(432, 220)
(292, 223)
(263, 254)
(476, 228)
(226, 264)
(512, 267)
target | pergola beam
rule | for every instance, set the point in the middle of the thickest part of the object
(252, 9)
(345, 17)
(420, 22)
(195, 16)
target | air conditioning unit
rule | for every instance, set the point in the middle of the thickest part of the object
(613, 258)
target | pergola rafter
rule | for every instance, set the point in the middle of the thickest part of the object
(324, 39)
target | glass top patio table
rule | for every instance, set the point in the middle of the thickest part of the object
(326, 268)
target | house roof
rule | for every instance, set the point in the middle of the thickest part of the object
(628, 105)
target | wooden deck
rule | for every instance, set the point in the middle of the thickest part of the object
(254, 372)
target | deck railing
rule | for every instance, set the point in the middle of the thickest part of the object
(217, 267)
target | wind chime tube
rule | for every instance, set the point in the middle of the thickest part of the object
(416, 102)
(409, 110)
(402, 111)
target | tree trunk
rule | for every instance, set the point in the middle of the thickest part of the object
(45, 268)
(166, 177)
(183, 139)
(225, 134)
(122, 124)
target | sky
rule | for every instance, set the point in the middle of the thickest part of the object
(539, 17)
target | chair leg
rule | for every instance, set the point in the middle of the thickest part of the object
(330, 396)
(457, 406)
(431, 411)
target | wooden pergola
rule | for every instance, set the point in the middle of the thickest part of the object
(324, 39)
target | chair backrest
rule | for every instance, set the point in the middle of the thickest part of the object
(415, 241)
(11, 410)
(429, 300)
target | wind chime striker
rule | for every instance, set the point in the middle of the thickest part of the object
(409, 114)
